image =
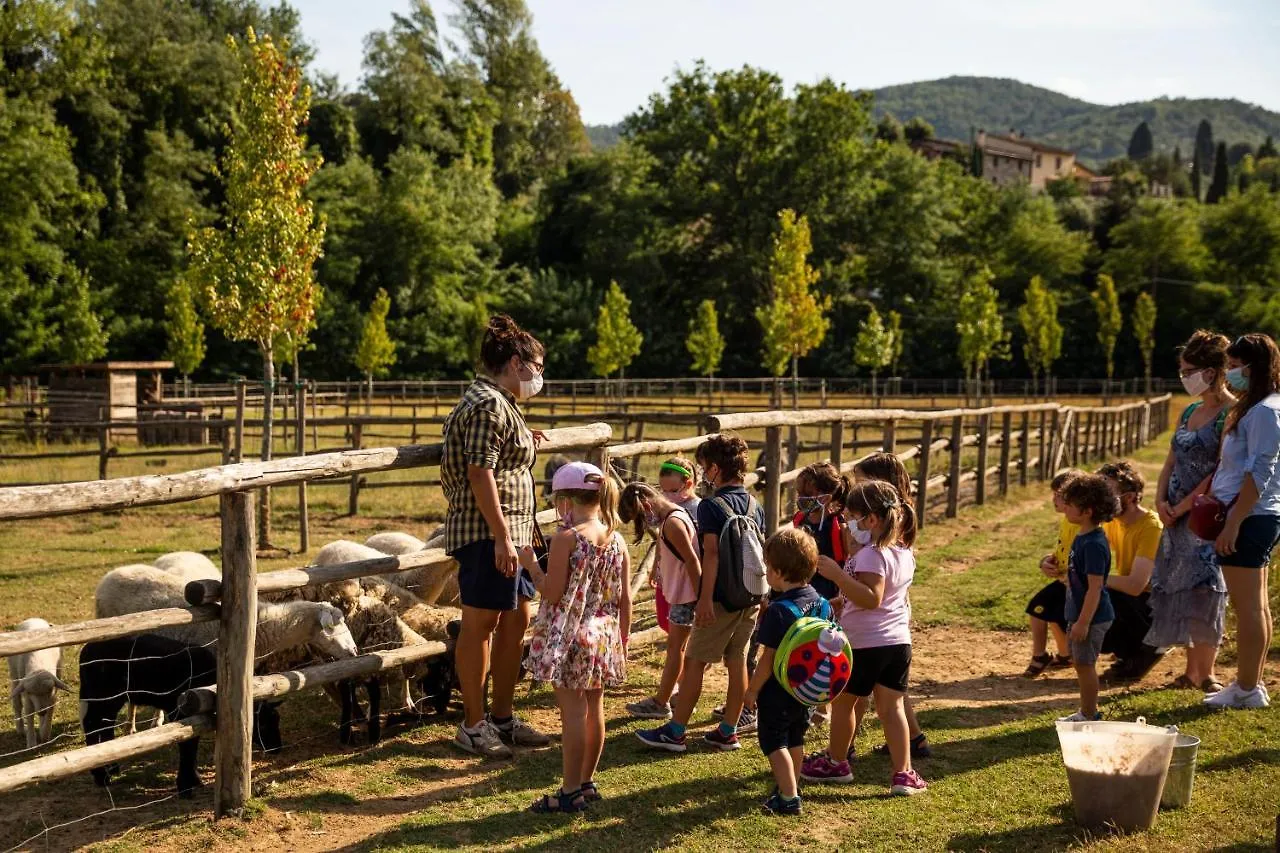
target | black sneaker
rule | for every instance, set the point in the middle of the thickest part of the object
(919, 748)
(776, 805)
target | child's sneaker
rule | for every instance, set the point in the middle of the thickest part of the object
(721, 741)
(820, 768)
(919, 747)
(776, 805)
(662, 738)
(649, 709)
(1080, 717)
(746, 722)
(907, 784)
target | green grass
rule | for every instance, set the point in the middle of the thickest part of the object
(997, 782)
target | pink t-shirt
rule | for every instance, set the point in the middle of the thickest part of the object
(676, 586)
(890, 623)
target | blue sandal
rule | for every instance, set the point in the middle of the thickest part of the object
(591, 793)
(560, 803)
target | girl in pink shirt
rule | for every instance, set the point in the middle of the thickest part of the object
(877, 619)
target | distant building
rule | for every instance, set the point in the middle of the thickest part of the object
(1012, 158)
(1091, 183)
(936, 149)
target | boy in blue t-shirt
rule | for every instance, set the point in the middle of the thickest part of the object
(1089, 501)
(791, 557)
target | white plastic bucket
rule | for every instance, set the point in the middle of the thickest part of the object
(1182, 773)
(1116, 771)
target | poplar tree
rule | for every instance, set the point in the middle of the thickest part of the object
(1106, 304)
(1038, 317)
(83, 338)
(617, 339)
(1221, 176)
(375, 352)
(183, 329)
(980, 326)
(254, 271)
(1144, 329)
(899, 339)
(873, 348)
(705, 343)
(795, 320)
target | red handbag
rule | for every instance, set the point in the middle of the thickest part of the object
(1207, 517)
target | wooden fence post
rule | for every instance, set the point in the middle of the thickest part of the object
(304, 523)
(922, 481)
(315, 430)
(1006, 434)
(633, 465)
(984, 433)
(104, 453)
(890, 436)
(772, 475)
(353, 497)
(239, 420)
(1043, 465)
(837, 444)
(1024, 447)
(237, 626)
(953, 480)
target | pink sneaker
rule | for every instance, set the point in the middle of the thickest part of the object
(907, 784)
(820, 768)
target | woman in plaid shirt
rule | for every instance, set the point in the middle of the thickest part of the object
(487, 475)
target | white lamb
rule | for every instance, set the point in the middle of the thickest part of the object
(281, 626)
(395, 542)
(389, 587)
(189, 564)
(34, 682)
(431, 621)
(430, 584)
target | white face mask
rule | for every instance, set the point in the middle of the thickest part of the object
(1195, 384)
(862, 537)
(530, 387)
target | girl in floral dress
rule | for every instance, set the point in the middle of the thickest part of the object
(580, 633)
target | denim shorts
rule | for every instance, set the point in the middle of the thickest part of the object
(1258, 535)
(481, 585)
(1088, 651)
(681, 614)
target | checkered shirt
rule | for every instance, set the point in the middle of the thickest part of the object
(486, 429)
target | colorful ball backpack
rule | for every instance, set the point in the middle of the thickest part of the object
(814, 660)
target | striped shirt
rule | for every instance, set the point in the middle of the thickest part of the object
(487, 430)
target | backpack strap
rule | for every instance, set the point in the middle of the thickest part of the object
(1188, 411)
(837, 541)
(824, 608)
(1221, 422)
(663, 533)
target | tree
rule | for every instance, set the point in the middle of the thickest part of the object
(705, 343)
(1144, 329)
(980, 327)
(1221, 176)
(1039, 319)
(617, 340)
(1160, 238)
(1237, 152)
(917, 130)
(1197, 170)
(83, 338)
(795, 320)
(873, 348)
(1106, 305)
(1242, 235)
(1141, 145)
(899, 340)
(1204, 145)
(1267, 149)
(376, 352)
(255, 273)
(889, 129)
(183, 329)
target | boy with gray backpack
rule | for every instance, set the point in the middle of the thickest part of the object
(732, 528)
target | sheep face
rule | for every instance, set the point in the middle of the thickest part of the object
(334, 637)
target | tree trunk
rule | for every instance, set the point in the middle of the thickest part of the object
(268, 424)
(795, 382)
(368, 400)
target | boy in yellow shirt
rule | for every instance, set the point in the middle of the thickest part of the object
(1134, 536)
(1046, 610)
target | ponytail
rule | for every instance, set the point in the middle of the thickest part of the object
(629, 508)
(609, 504)
(827, 480)
(876, 497)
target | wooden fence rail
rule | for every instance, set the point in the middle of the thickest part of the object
(1071, 434)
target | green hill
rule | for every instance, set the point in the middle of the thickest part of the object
(1097, 133)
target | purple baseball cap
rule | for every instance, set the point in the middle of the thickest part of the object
(577, 476)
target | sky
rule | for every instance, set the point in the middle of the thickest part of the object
(614, 54)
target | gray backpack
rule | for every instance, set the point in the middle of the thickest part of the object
(740, 579)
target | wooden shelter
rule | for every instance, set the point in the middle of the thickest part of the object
(112, 391)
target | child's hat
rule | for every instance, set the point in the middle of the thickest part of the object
(577, 476)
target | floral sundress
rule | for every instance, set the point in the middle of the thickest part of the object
(577, 642)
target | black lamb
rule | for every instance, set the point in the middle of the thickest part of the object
(154, 671)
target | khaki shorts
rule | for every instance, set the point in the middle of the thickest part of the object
(725, 638)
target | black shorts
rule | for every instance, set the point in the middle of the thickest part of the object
(481, 585)
(1258, 535)
(888, 666)
(1050, 604)
(781, 720)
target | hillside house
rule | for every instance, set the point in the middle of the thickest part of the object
(1012, 158)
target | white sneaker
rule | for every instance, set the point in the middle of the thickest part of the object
(483, 740)
(1079, 717)
(1234, 696)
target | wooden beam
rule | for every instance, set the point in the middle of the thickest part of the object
(233, 755)
(205, 591)
(94, 630)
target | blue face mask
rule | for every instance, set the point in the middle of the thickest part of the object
(1237, 380)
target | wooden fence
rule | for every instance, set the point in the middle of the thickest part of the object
(1058, 434)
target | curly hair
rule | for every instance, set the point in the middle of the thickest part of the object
(1125, 475)
(1208, 351)
(726, 451)
(504, 340)
(1092, 493)
(1063, 478)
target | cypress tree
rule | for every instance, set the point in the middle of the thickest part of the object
(1221, 176)
(1267, 149)
(1140, 143)
(1177, 156)
(1196, 170)
(1204, 144)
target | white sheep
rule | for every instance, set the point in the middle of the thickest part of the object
(394, 587)
(34, 682)
(431, 621)
(189, 564)
(281, 626)
(430, 584)
(395, 542)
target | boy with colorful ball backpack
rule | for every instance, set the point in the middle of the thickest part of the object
(805, 661)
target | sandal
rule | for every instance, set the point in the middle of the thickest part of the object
(1210, 685)
(1060, 662)
(1183, 683)
(560, 803)
(1037, 665)
(591, 793)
